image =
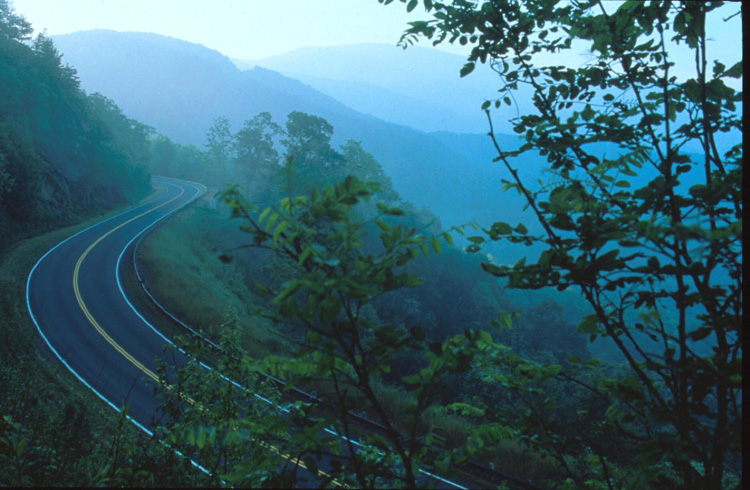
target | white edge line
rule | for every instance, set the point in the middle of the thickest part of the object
(157, 331)
(62, 360)
(160, 334)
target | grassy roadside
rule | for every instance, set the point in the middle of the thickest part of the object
(179, 260)
(54, 430)
(180, 265)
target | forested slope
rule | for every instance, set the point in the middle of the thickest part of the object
(179, 88)
(63, 154)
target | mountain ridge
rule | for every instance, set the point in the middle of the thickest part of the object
(180, 88)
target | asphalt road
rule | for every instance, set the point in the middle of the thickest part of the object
(75, 299)
(78, 304)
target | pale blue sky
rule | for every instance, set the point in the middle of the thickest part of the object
(255, 29)
(244, 29)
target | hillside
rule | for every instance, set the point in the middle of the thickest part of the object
(360, 74)
(63, 155)
(179, 88)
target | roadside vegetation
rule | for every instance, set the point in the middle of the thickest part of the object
(54, 431)
(645, 231)
(615, 362)
(64, 154)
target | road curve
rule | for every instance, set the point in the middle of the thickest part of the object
(77, 303)
(75, 300)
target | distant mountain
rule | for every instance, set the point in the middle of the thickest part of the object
(367, 77)
(179, 88)
(393, 106)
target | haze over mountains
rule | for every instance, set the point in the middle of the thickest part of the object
(179, 88)
(418, 87)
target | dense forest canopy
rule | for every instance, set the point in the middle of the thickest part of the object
(63, 153)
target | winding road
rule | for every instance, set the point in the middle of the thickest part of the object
(77, 302)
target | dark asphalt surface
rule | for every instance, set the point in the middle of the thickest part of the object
(73, 337)
(77, 303)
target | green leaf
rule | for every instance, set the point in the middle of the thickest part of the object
(436, 246)
(329, 308)
(279, 230)
(467, 68)
(313, 337)
(264, 215)
(305, 254)
(734, 72)
(465, 409)
(262, 288)
(588, 113)
(393, 211)
(202, 437)
(590, 324)
(272, 220)
(507, 320)
(383, 225)
(310, 464)
(502, 228)
(494, 269)
(552, 370)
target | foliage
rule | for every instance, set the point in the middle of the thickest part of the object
(336, 280)
(235, 434)
(647, 232)
(308, 141)
(456, 295)
(51, 437)
(219, 149)
(60, 151)
(364, 166)
(254, 148)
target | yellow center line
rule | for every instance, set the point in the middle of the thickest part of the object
(125, 353)
(85, 309)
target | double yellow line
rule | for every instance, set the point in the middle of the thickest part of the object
(85, 309)
(120, 349)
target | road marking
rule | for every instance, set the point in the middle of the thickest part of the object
(125, 353)
(207, 367)
(85, 310)
(57, 354)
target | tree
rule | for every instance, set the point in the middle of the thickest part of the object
(364, 166)
(254, 149)
(13, 27)
(348, 351)
(219, 145)
(308, 141)
(163, 155)
(645, 218)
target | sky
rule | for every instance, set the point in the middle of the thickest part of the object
(240, 29)
(255, 29)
